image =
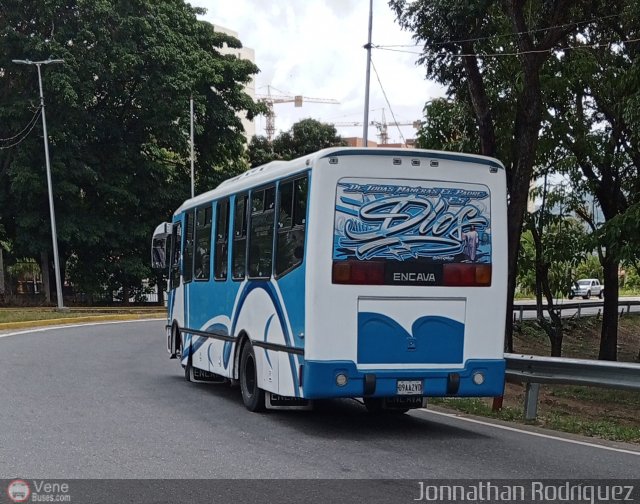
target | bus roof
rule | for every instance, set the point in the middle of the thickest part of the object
(277, 169)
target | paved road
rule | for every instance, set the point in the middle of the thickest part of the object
(104, 401)
(587, 307)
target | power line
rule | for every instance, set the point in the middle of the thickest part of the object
(526, 32)
(519, 53)
(553, 49)
(34, 121)
(388, 104)
(383, 48)
(34, 118)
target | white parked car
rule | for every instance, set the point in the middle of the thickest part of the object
(586, 288)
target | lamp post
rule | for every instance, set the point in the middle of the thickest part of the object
(192, 157)
(54, 234)
(365, 121)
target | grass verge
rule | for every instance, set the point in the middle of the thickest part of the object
(609, 424)
(30, 317)
(589, 411)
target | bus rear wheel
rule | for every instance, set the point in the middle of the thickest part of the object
(252, 395)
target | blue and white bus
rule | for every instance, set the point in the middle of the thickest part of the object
(367, 273)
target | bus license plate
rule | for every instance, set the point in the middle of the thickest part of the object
(409, 387)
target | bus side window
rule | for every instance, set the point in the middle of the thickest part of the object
(261, 232)
(222, 240)
(176, 241)
(187, 271)
(239, 251)
(300, 202)
(202, 258)
(292, 217)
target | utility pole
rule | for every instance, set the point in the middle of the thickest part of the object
(54, 233)
(193, 186)
(365, 128)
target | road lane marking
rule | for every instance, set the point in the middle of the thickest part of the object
(448, 415)
(88, 324)
(531, 433)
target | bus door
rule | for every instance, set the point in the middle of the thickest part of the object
(175, 309)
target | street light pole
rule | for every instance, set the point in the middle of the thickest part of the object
(192, 158)
(365, 122)
(54, 233)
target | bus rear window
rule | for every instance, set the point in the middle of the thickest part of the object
(408, 232)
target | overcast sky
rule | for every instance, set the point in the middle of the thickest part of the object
(314, 48)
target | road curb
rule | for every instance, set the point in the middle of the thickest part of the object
(77, 320)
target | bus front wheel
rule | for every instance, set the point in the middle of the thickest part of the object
(252, 395)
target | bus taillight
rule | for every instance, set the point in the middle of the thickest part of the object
(358, 272)
(466, 275)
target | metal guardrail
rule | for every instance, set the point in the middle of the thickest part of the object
(521, 307)
(534, 370)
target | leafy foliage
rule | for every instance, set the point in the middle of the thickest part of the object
(448, 125)
(493, 56)
(553, 88)
(595, 94)
(118, 117)
(304, 137)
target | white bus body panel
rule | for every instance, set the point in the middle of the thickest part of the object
(332, 316)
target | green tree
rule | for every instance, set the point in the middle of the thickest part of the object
(118, 113)
(448, 125)
(495, 54)
(260, 151)
(558, 245)
(304, 137)
(594, 108)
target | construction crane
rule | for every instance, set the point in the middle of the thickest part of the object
(382, 127)
(270, 100)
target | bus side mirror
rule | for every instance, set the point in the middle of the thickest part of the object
(160, 248)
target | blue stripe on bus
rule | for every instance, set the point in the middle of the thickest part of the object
(433, 340)
(194, 344)
(269, 289)
(319, 378)
(266, 332)
(346, 210)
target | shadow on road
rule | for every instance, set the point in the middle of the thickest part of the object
(344, 419)
(349, 419)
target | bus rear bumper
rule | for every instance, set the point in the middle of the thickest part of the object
(320, 380)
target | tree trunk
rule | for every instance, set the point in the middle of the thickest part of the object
(609, 334)
(553, 329)
(1, 272)
(46, 283)
(527, 124)
(479, 102)
(556, 343)
(515, 216)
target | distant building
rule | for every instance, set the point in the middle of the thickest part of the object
(247, 54)
(359, 142)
